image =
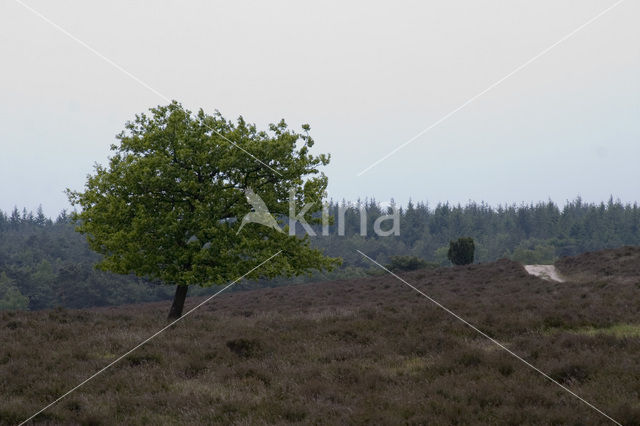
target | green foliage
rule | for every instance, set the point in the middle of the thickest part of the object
(168, 205)
(533, 252)
(441, 256)
(407, 263)
(10, 296)
(53, 266)
(461, 251)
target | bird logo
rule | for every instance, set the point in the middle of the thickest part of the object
(260, 213)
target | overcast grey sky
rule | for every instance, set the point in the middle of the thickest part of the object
(367, 76)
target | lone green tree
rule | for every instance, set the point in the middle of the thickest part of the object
(170, 203)
(461, 252)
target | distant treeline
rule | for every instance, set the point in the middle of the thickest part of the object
(529, 233)
(44, 263)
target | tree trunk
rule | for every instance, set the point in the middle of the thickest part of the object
(178, 302)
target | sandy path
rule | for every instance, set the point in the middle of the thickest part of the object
(546, 272)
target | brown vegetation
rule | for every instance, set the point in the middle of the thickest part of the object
(621, 264)
(366, 351)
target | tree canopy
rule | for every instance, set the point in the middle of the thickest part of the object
(461, 251)
(168, 205)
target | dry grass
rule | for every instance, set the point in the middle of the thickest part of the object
(618, 265)
(366, 351)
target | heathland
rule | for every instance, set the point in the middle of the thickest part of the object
(368, 350)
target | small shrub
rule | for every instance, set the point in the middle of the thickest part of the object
(570, 373)
(407, 263)
(470, 359)
(461, 252)
(245, 348)
(139, 359)
(195, 367)
(553, 321)
(506, 369)
(294, 414)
